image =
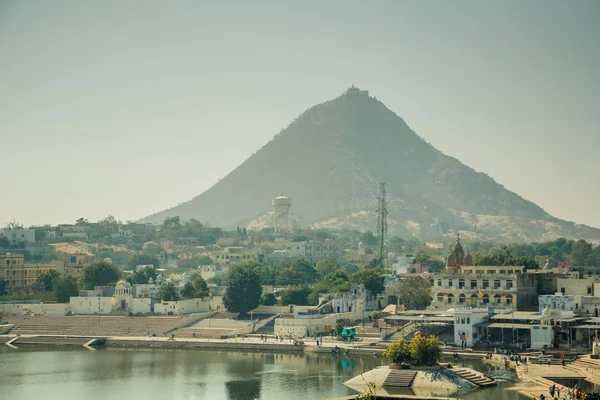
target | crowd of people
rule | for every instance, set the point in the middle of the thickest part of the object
(563, 393)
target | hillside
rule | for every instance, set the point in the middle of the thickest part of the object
(330, 160)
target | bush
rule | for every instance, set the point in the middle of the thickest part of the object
(425, 350)
(398, 353)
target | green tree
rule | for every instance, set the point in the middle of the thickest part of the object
(144, 275)
(300, 272)
(268, 299)
(172, 223)
(4, 242)
(65, 288)
(414, 293)
(581, 251)
(326, 266)
(425, 350)
(398, 353)
(143, 259)
(294, 296)
(243, 292)
(594, 258)
(100, 273)
(45, 282)
(188, 291)
(368, 239)
(167, 292)
(396, 244)
(371, 278)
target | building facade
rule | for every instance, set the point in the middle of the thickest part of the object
(314, 250)
(18, 236)
(18, 275)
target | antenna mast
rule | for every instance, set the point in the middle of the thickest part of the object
(382, 220)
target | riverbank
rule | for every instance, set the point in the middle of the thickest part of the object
(242, 343)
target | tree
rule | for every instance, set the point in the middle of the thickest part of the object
(414, 293)
(65, 288)
(268, 299)
(143, 259)
(368, 239)
(371, 278)
(144, 275)
(300, 272)
(13, 225)
(195, 289)
(243, 290)
(398, 353)
(326, 266)
(81, 221)
(46, 281)
(100, 273)
(594, 258)
(172, 223)
(425, 350)
(581, 251)
(188, 291)
(4, 242)
(297, 297)
(167, 292)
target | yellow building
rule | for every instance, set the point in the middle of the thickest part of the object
(18, 275)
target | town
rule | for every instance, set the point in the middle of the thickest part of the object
(189, 281)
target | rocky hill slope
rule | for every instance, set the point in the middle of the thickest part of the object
(330, 160)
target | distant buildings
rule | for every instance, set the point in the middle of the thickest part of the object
(18, 275)
(313, 250)
(19, 236)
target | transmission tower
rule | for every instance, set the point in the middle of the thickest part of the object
(382, 221)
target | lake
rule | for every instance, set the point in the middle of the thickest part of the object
(66, 373)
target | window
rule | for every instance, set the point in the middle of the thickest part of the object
(473, 284)
(439, 282)
(496, 283)
(509, 284)
(450, 282)
(461, 283)
(562, 290)
(485, 284)
(468, 320)
(589, 290)
(462, 320)
(485, 299)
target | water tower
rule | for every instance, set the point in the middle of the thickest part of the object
(282, 205)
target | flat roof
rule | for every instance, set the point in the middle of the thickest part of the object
(586, 327)
(528, 315)
(424, 318)
(510, 326)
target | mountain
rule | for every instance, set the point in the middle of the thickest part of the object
(330, 161)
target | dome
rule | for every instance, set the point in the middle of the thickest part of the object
(123, 284)
(282, 201)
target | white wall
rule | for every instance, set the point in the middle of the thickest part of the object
(54, 309)
(91, 305)
(541, 336)
(181, 307)
(463, 324)
(141, 306)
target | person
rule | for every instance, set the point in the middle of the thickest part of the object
(563, 363)
(193, 334)
(317, 342)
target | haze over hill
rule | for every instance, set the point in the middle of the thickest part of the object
(330, 160)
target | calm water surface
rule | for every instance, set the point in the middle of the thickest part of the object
(49, 374)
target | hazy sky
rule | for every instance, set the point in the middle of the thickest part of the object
(130, 107)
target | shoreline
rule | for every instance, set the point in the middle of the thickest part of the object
(250, 343)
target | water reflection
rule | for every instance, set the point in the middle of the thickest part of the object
(190, 374)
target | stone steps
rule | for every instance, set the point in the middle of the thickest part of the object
(400, 378)
(475, 378)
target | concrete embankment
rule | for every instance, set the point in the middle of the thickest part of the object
(200, 344)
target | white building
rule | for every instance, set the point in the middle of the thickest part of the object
(17, 236)
(182, 307)
(314, 250)
(465, 321)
